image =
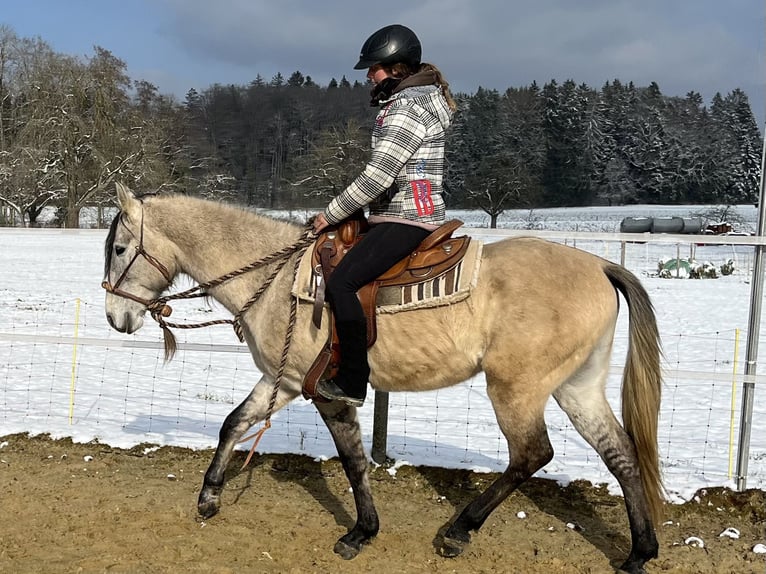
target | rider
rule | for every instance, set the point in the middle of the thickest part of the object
(401, 186)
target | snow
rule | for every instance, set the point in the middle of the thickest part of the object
(115, 388)
(730, 532)
(694, 541)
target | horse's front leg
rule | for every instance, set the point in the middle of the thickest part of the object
(343, 424)
(250, 412)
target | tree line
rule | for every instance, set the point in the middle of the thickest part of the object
(70, 127)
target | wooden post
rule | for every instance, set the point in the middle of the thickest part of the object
(380, 427)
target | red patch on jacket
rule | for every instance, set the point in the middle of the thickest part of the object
(421, 191)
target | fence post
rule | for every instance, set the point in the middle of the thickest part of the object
(753, 330)
(380, 427)
(74, 360)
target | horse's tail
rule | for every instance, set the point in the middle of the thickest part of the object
(642, 382)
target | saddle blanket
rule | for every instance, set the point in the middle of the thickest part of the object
(450, 287)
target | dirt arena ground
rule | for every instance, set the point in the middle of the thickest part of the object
(135, 511)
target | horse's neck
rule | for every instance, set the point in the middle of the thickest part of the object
(212, 245)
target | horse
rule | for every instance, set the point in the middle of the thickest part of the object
(540, 321)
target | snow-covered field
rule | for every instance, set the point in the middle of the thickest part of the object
(115, 388)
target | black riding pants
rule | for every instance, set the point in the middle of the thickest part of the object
(382, 246)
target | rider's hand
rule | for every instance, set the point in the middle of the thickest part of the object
(320, 223)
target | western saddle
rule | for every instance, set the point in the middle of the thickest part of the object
(436, 254)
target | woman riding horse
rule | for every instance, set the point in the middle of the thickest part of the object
(402, 185)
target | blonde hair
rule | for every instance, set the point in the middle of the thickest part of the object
(402, 70)
(441, 82)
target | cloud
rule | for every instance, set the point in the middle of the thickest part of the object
(682, 45)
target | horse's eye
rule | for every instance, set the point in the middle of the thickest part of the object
(118, 250)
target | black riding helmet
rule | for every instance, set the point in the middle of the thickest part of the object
(390, 45)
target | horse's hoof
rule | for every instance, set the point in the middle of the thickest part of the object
(208, 505)
(208, 509)
(345, 550)
(633, 567)
(452, 542)
(451, 547)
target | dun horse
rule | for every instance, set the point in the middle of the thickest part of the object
(539, 322)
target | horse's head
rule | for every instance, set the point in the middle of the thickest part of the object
(139, 264)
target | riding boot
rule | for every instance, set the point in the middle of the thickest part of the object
(350, 384)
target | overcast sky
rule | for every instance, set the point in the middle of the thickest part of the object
(707, 46)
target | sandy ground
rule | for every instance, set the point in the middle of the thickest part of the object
(133, 511)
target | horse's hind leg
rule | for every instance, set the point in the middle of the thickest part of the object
(343, 424)
(521, 421)
(583, 399)
(249, 412)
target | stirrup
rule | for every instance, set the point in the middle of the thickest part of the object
(329, 390)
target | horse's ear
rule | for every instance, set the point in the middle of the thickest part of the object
(127, 201)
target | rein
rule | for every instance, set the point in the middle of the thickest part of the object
(159, 309)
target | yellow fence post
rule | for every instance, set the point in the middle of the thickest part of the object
(733, 403)
(74, 360)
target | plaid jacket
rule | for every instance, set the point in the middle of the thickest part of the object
(404, 176)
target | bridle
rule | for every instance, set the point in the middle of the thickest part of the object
(151, 304)
(159, 308)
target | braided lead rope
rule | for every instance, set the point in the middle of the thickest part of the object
(159, 309)
(282, 365)
(198, 290)
(156, 310)
(237, 322)
(166, 324)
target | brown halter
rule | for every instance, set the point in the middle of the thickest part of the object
(159, 309)
(155, 306)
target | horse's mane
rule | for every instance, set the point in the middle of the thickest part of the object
(235, 219)
(234, 216)
(110, 243)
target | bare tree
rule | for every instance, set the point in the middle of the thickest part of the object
(334, 161)
(509, 185)
(70, 129)
(27, 169)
